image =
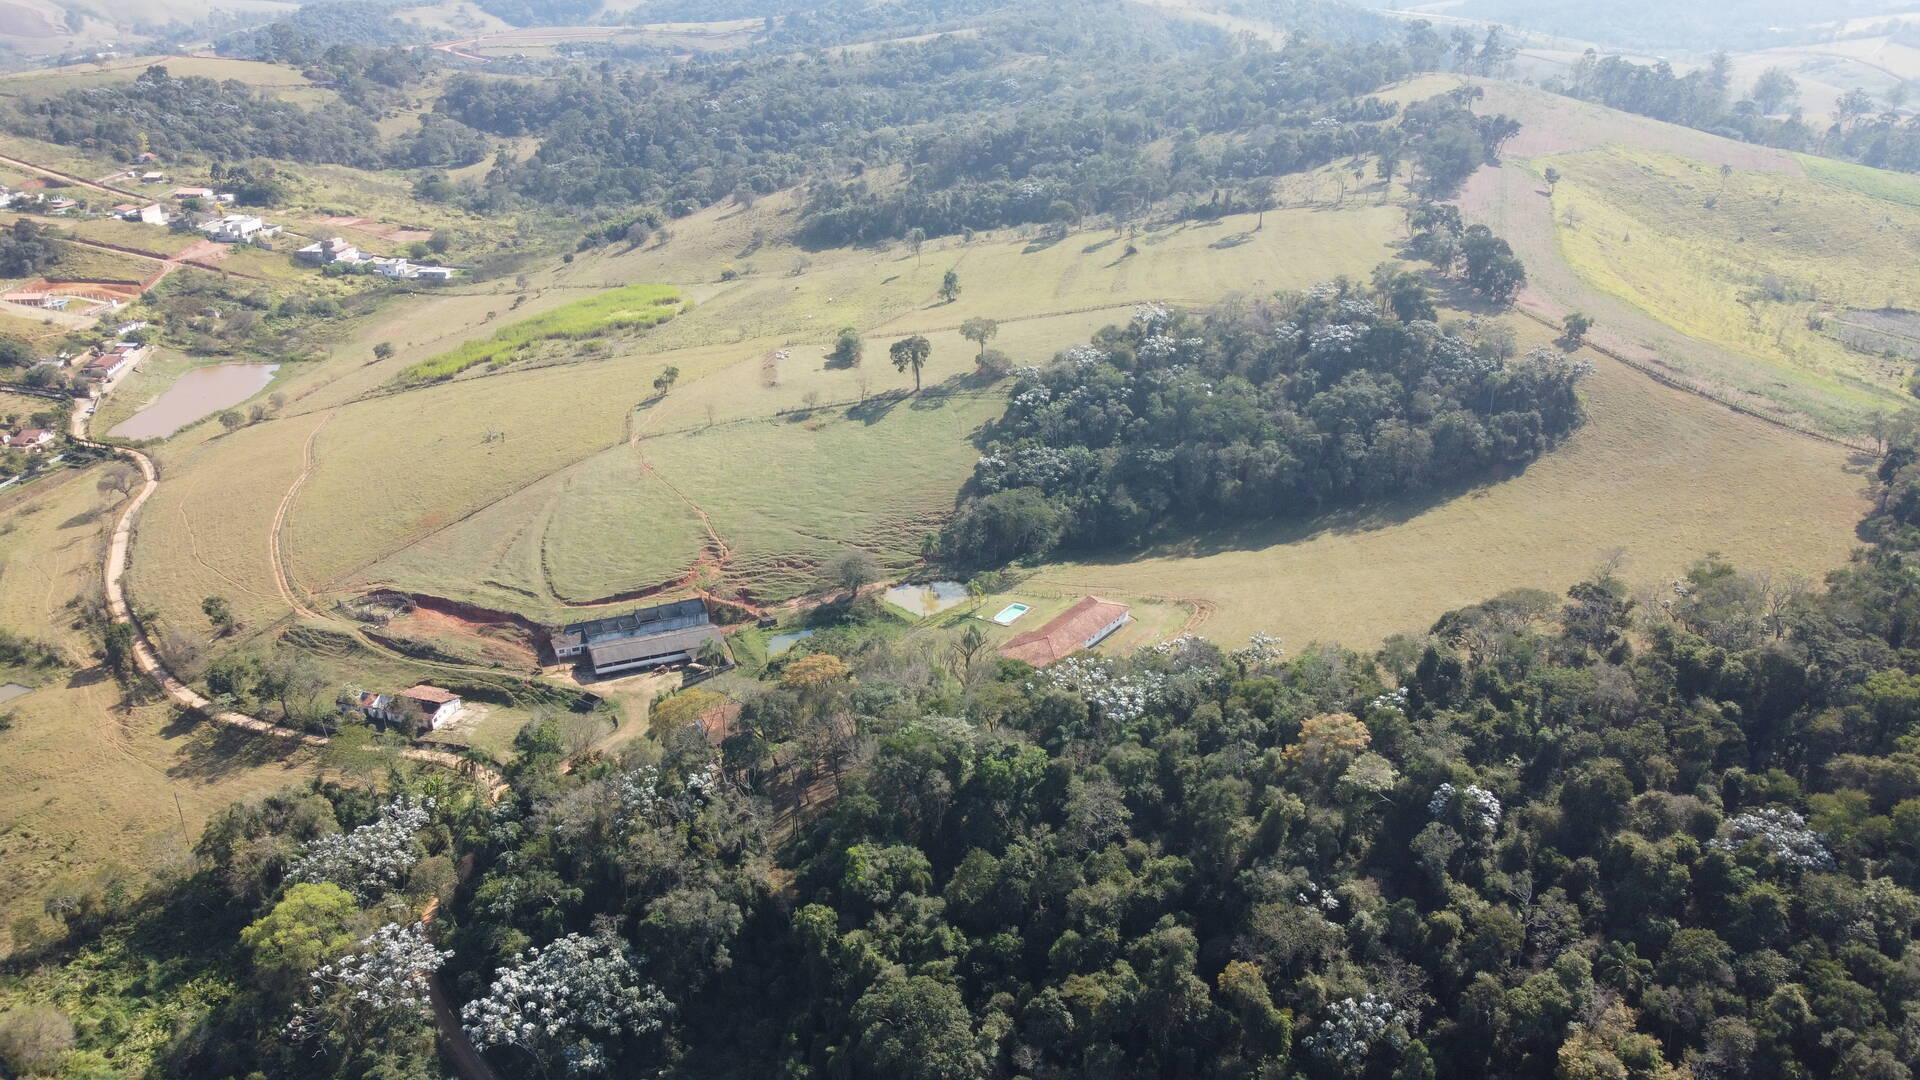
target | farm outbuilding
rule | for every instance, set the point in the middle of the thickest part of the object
(643, 638)
(653, 650)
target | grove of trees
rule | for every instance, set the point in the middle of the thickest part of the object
(1262, 410)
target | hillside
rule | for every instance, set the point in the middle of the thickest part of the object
(1428, 684)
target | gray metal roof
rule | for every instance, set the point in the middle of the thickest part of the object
(630, 649)
(648, 620)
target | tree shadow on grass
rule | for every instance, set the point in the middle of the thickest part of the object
(209, 751)
(876, 407)
(1222, 537)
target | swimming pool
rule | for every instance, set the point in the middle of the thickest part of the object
(1010, 613)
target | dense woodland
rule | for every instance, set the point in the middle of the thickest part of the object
(1260, 410)
(1658, 26)
(1863, 129)
(232, 122)
(1019, 124)
(1595, 835)
(309, 33)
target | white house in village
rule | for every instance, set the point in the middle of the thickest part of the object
(338, 249)
(238, 228)
(150, 214)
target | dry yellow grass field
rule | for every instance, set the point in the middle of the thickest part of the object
(92, 785)
(1660, 474)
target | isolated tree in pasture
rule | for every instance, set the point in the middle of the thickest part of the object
(911, 352)
(851, 569)
(664, 381)
(950, 286)
(1492, 268)
(233, 419)
(916, 240)
(1574, 328)
(847, 348)
(1260, 194)
(979, 331)
(1774, 90)
(220, 613)
(383, 350)
(295, 682)
(1552, 176)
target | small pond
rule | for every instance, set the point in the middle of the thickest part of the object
(929, 599)
(780, 643)
(11, 690)
(200, 392)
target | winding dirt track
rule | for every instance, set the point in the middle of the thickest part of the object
(147, 659)
(77, 181)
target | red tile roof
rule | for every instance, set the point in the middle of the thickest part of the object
(1069, 632)
(432, 695)
(720, 721)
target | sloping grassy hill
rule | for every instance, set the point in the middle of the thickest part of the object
(1717, 295)
(538, 488)
(1746, 261)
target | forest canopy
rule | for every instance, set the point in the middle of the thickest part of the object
(1261, 410)
(1586, 835)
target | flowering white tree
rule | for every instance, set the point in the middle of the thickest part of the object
(1782, 834)
(1115, 697)
(556, 1003)
(382, 981)
(645, 796)
(1352, 1029)
(369, 861)
(1475, 808)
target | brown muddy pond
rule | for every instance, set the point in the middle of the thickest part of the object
(200, 392)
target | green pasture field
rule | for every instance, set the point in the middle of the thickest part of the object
(1880, 184)
(98, 264)
(22, 406)
(635, 307)
(155, 240)
(521, 488)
